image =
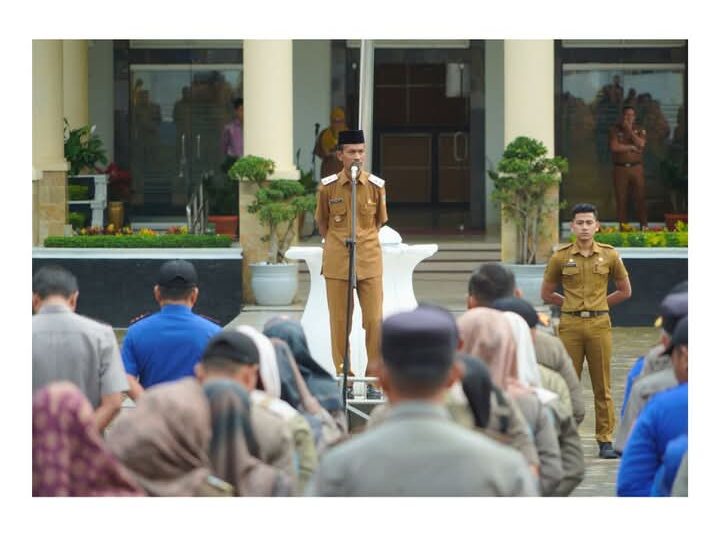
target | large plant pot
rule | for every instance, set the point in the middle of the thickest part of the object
(529, 278)
(225, 225)
(672, 218)
(274, 284)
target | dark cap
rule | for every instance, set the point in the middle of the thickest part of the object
(519, 306)
(233, 345)
(672, 309)
(177, 274)
(420, 343)
(679, 336)
(351, 136)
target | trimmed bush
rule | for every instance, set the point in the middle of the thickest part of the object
(139, 241)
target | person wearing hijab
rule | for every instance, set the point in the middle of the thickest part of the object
(321, 383)
(327, 140)
(233, 449)
(525, 319)
(488, 335)
(69, 457)
(234, 355)
(164, 442)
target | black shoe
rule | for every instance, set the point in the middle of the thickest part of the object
(373, 393)
(607, 451)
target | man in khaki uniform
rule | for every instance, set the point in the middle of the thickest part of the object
(583, 268)
(627, 142)
(333, 215)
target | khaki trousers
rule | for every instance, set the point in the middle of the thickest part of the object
(630, 180)
(370, 295)
(591, 339)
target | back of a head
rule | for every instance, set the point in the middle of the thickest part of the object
(53, 280)
(673, 308)
(176, 280)
(519, 306)
(491, 281)
(418, 348)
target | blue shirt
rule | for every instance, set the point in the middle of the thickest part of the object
(634, 372)
(665, 476)
(664, 418)
(166, 345)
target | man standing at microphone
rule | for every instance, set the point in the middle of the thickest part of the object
(333, 215)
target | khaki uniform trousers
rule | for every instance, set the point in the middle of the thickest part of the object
(591, 338)
(630, 180)
(370, 295)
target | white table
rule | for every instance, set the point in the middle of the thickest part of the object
(399, 261)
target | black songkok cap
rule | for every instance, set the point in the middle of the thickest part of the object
(519, 306)
(420, 344)
(233, 345)
(177, 274)
(351, 136)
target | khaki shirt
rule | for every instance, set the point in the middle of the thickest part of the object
(617, 132)
(585, 279)
(334, 211)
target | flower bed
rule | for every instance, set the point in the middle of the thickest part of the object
(109, 237)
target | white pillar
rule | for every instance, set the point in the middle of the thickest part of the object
(494, 123)
(75, 82)
(529, 111)
(47, 112)
(268, 101)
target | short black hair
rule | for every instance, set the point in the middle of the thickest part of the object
(54, 280)
(585, 207)
(175, 293)
(224, 365)
(237, 103)
(491, 281)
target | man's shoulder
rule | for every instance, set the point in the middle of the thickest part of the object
(326, 181)
(606, 246)
(377, 181)
(207, 320)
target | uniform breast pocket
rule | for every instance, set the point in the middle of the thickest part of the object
(571, 277)
(601, 271)
(338, 216)
(367, 212)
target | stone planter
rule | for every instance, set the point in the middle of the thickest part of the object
(274, 284)
(116, 284)
(528, 278)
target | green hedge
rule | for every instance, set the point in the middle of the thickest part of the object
(139, 241)
(657, 239)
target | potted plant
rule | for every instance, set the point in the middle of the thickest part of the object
(277, 205)
(222, 196)
(83, 148)
(524, 176)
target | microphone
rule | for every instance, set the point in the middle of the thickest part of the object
(355, 169)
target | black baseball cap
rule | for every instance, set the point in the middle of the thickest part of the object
(679, 336)
(233, 345)
(672, 309)
(351, 136)
(421, 343)
(519, 306)
(177, 273)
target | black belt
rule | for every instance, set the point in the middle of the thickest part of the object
(585, 314)
(628, 164)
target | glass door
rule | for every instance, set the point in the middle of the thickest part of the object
(177, 115)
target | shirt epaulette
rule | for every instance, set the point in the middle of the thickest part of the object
(210, 318)
(329, 179)
(564, 246)
(608, 246)
(140, 317)
(377, 181)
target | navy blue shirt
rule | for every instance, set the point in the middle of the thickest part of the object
(166, 345)
(664, 418)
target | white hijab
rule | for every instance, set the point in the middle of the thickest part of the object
(269, 372)
(528, 369)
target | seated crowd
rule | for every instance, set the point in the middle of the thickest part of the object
(487, 404)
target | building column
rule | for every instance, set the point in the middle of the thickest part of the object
(49, 174)
(268, 132)
(530, 111)
(75, 82)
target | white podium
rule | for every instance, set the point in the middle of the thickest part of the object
(399, 261)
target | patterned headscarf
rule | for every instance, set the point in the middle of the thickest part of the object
(233, 442)
(164, 441)
(69, 456)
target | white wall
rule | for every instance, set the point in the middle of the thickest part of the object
(494, 121)
(100, 91)
(312, 96)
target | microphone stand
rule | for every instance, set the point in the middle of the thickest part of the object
(352, 280)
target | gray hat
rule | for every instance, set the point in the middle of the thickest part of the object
(177, 274)
(672, 309)
(421, 343)
(233, 345)
(679, 336)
